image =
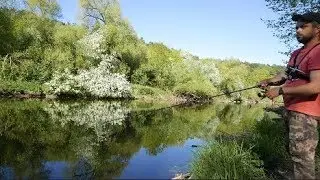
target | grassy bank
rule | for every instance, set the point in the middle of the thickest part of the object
(21, 86)
(260, 153)
(227, 160)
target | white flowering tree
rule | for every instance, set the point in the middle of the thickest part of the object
(97, 81)
(92, 46)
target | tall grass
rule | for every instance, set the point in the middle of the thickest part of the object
(269, 142)
(18, 86)
(227, 160)
(257, 153)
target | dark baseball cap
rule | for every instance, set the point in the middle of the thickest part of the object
(307, 17)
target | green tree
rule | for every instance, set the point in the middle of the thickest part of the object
(6, 34)
(119, 35)
(45, 8)
(121, 38)
(29, 41)
(65, 53)
(158, 70)
(35, 39)
(94, 11)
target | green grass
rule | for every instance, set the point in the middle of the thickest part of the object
(269, 142)
(140, 90)
(227, 160)
(19, 86)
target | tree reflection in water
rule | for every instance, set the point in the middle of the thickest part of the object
(83, 170)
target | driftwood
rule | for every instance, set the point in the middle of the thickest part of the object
(183, 176)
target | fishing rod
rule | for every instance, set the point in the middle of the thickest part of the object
(261, 94)
(227, 92)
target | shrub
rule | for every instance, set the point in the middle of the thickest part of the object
(97, 82)
(207, 68)
(227, 161)
(196, 85)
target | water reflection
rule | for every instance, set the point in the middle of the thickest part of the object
(98, 139)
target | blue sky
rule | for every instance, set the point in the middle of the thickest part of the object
(206, 28)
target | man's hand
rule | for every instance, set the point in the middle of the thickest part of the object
(263, 84)
(273, 92)
(277, 80)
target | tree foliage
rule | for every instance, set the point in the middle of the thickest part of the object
(45, 8)
(119, 36)
(6, 34)
(99, 11)
(34, 45)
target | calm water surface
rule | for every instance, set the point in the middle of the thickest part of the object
(102, 139)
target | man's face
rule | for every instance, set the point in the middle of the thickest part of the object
(305, 31)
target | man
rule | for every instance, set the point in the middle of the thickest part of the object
(300, 91)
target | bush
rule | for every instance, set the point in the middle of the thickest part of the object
(207, 68)
(196, 85)
(145, 75)
(193, 79)
(269, 142)
(64, 83)
(227, 161)
(97, 82)
(148, 75)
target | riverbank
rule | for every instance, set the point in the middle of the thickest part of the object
(143, 94)
(257, 153)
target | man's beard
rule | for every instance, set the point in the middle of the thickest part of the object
(303, 39)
